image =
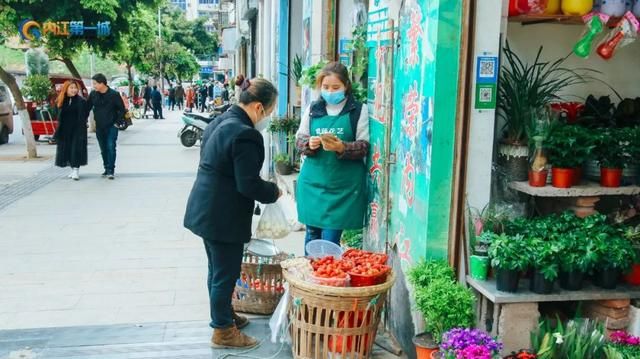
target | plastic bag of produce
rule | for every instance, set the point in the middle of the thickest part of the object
(279, 322)
(273, 223)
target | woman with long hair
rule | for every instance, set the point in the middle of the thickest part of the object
(71, 135)
(334, 137)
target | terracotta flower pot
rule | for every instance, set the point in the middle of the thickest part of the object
(610, 177)
(562, 177)
(633, 277)
(425, 346)
(538, 178)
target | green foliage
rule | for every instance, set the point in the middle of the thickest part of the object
(37, 88)
(613, 250)
(360, 53)
(352, 239)
(281, 158)
(284, 124)
(360, 93)
(37, 62)
(526, 88)
(620, 351)
(569, 146)
(613, 147)
(509, 252)
(579, 339)
(428, 271)
(310, 74)
(296, 69)
(445, 305)
(544, 257)
(183, 65)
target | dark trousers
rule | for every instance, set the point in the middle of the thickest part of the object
(157, 110)
(107, 138)
(172, 103)
(147, 106)
(179, 102)
(313, 233)
(203, 105)
(225, 262)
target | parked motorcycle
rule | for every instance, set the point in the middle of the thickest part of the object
(194, 125)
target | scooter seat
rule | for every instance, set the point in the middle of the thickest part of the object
(196, 116)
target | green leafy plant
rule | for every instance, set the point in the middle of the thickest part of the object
(359, 92)
(578, 252)
(544, 257)
(296, 69)
(352, 238)
(612, 147)
(284, 124)
(281, 158)
(509, 252)
(483, 242)
(579, 339)
(310, 74)
(619, 351)
(427, 271)
(37, 88)
(569, 146)
(525, 88)
(445, 305)
(613, 251)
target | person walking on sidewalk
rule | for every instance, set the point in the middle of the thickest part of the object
(334, 137)
(71, 134)
(190, 95)
(108, 110)
(179, 96)
(203, 97)
(172, 97)
(220, 206)
(156, 100)
(146, 94)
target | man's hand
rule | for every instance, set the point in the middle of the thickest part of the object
(333, 144)
(314, 142)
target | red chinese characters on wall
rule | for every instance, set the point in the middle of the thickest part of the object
(412, 111)
(408, 179)
(374, 226)
(414, 34)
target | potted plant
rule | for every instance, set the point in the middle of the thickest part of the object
(479, 261)
(310, 74)
(544, 260)
(468, 343)
(445, 305)
(568, 147)
(421, 276)
(632, 234)
(37, 88)
(578, 257)
(538, 168)
(615, 256)
(509, 255)
(613, 155)
(523, 90)
(283, 165)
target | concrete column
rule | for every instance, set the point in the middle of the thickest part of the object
(481, 133)
(517, 320)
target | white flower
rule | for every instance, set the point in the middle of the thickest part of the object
(559, 339)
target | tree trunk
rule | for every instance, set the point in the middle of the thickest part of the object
(10, 81)
(130, 78)
(72, 68)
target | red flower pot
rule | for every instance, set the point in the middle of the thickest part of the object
(570, 110)
(562, 177)
(577, 176)
(633, 277)
(538, 178)
(610, 177)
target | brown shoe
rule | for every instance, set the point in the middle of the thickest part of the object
(231, 338)
(241, 321)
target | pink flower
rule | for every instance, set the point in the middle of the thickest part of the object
(478, 226)
(474, 352)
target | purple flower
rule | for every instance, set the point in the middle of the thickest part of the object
(459, 339)
(624, 338)
(474, 351)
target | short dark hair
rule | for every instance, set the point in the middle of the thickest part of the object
(100, 78)
(337, 69)
(258, 90)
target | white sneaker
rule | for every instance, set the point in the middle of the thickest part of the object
(70, 174)
(75, 175)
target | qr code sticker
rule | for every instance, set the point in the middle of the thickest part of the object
(486, 94)
(487, 68)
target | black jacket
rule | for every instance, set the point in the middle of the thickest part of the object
(108, 108)
(221, 203)
(147, 93)
(156, 96)
(71, 135)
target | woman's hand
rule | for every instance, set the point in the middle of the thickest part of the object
(314, 142)
(333, 144)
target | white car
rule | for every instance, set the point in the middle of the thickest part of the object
(6, 115)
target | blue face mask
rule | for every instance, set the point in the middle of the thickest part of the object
(333, 98)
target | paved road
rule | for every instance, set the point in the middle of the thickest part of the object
(97, 252)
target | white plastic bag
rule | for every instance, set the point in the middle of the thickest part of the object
(288, 205)
(279, 322)
(273, 224)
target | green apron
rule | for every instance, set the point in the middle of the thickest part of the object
(331, 192)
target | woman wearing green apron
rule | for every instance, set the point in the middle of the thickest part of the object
(334, 138)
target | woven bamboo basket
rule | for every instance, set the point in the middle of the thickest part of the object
(260, 286)
(332, 322)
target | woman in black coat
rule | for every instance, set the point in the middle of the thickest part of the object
(71, 135)
(221, 203)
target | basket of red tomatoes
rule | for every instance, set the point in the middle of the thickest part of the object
(329, 271)
(356, 268)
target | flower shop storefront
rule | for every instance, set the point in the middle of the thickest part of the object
(552, 237)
